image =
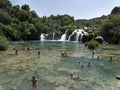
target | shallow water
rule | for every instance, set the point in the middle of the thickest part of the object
(53, 71)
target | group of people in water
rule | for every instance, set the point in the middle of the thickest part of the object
(28, 49)
(76, 78)
(63, 54)
(89, 64)
(98, 57)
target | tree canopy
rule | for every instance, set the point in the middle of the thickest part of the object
(22, 23)
(3, 43)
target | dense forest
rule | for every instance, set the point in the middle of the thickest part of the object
(22, 23)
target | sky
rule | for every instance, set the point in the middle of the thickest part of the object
(79, 9)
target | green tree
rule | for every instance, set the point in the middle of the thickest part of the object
(92, 45)
(25, 7)
(4, 17)
(111, 29)
(15, 11)
(5, 4)
(116, 10)
(3, 43)
(10, 32)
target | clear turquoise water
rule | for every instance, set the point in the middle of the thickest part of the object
(54, 70)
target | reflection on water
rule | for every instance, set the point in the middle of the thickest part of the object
(53, 71)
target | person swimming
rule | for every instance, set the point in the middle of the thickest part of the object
(89, 64)
(98, 58)
(34, 81)
(93, 55)
(82, 66)
(110, 59)
(16, 51)
(79, 62)
(28, 49)
(64, 54)
(38, 52)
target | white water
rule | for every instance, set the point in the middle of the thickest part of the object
(63, 37)
(78, 33)
(53, 36)
(42, 37)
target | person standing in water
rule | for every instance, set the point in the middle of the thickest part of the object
(28, 49)
(98, 58)
(110, 58)
(16, 51)
(89, 64)
(38, 53)
(93, 55)
(34, 81)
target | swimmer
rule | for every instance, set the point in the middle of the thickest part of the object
(82, 66)
(12, 89)
(71, 75)
(28, 49)
(50, 48)
(78, 62)
(16, 51)
(34, 82)
(98, 58)
(38, 52)
(89, 64)
(64, 54)
(93, 54)
(110, 58)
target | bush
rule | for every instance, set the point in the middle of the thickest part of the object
(92, 44)
(3, 43)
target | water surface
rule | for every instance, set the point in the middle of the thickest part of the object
(53, 70)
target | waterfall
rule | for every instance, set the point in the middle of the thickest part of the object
(63, 37)
(42, 37)
(79, 34)
(81, 37)
(53, 36)
(69, 37)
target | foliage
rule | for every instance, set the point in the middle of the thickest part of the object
(3, 43)
(116, 10)
(111, 29)
(4, 17)
(5, 4)
(92, 44)
(20, 23)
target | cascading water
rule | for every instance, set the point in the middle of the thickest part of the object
(53, 36)
(79, 34)
(81, 37)
(63, 37)
(42, 37)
